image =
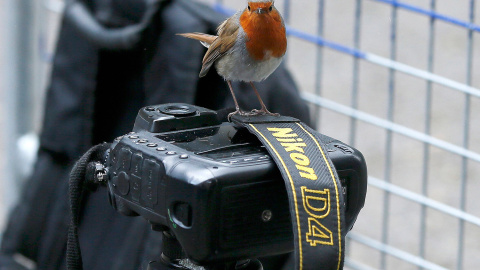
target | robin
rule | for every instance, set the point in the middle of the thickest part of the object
(248, 47)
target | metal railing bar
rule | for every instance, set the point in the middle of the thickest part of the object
(389, 134)
(466, 138)
(355, 71)
(355, 79)
(395, 252)
(431, 13)
(375, 59)
(418, 198)
(286, 11)
(368, 118)
(423, 74)
(319, 60)
(428, 121)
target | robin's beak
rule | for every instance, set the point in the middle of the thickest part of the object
(261, 10)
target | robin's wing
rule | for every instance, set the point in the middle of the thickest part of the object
(227, 35)
(205, 39)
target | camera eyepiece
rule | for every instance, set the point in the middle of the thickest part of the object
(178, 110)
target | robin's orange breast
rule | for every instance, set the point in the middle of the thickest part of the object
(265, 34)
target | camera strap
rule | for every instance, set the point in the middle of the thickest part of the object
(80, 176)
(314, 191)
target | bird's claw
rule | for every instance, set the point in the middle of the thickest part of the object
(263, 112)
(253, 112)
(239, 112)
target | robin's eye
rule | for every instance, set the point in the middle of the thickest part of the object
(271, 8)
(248, 8)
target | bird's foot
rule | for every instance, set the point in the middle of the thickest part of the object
(254, 112)
(263, 111)
(239, 112)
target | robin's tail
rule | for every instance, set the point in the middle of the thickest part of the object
(205, 39)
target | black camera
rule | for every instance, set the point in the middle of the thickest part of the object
(212, 184)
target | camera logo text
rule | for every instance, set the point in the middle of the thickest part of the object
(315, 202)
(294, 145)
(317, 205)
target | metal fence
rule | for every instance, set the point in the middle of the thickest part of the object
(395, 79)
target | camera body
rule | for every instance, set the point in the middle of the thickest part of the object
(212, 184)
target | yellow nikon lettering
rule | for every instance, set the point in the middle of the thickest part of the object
(306, 172)
(300, 159)
(294, 145)
(318, 234)
(289, 147)
(317, 204)
(290, 140)
(282, 132)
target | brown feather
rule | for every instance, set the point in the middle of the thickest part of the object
(227, 35)
(209, 39)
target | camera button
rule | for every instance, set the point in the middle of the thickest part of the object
(171, 153)
(184, 156)
(142, 141)
(161, 149)
(133, 137)
(152, 144)
(122, 183)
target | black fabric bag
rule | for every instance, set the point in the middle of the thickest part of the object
(94, 96)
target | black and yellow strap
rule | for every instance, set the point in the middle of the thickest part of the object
(313, 187)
